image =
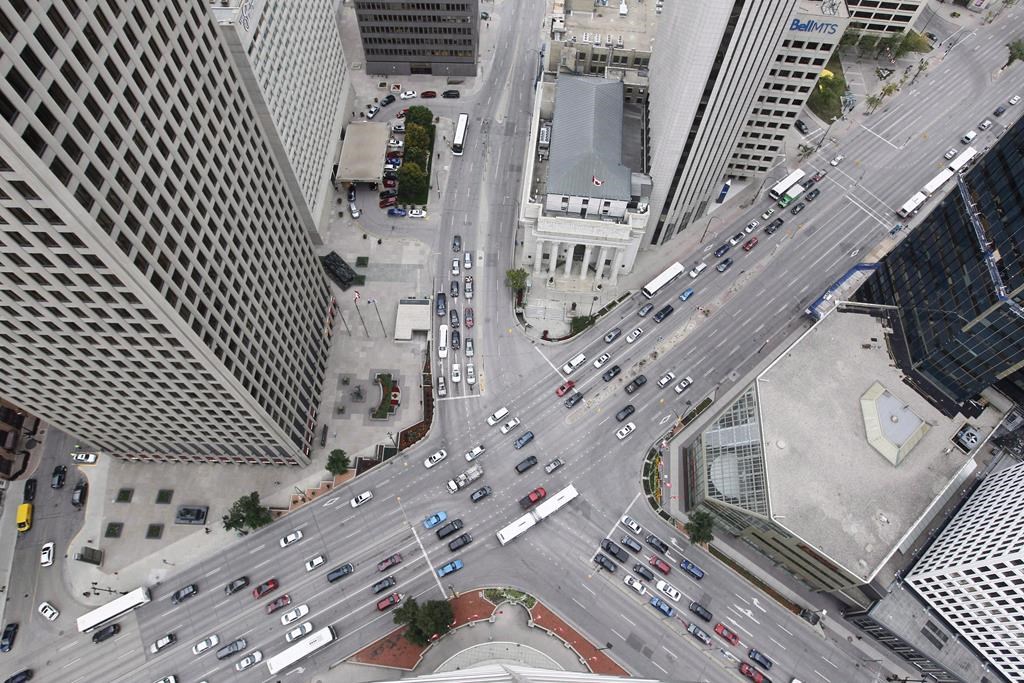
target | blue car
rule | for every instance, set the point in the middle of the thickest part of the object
(453, 566)
(691, 569)
(434, 519)
(686, 294)
(395, 212)
(662, 606)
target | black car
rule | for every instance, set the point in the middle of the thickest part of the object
(449, 528)
(615, 551)
(453, 316)
(79, 493)
(7, 641)
(645, 309)
(756, 656)
(720, 252)
(656, 543)
(384, 194)
(390, 175)
(573, 399)
(665, 312)
(340, 572)
(231, 648)
(643, 572)
(480, 494)
(773, 226)
(631, 543)
(526, 464)
(384, 584)
(605, 563)
(700, 610)
(183, 594)
(637, 382)
(808, 183)
(1000, 110)
(451, 94)
(457, 243)
(625, 412)
(798, 208)
(352, 192)
(106, 633)
(386, 100)
(801, 126)
(812, 195)
(60, 473)
(611, 373)
(30, 491)
(461, 541)
(456, 340)
(236, 585)
(20, 677)
(724, 265)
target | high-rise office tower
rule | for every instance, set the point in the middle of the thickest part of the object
(958, 281)
(727, 82)
(290, 61)
(401, 37)
(160, 294)
(973, 575)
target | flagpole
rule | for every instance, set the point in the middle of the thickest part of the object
(360, 313)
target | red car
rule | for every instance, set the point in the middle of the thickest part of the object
(565, 388)
(264, 588)
(428, 94)
(659, 564)
(389, 601)
(750, 244)
(729, 635)
(389, 562)
(751, 673)
(401, 114)
(282, 601)
(469, 318)
(388, 201)
(390, 182)
(532, 498)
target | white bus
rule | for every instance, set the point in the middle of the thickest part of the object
(670, 274)
(937, 182)
(314, 642)
(547, 508)
(791, 194)
(516, 529)
(963, 159)
(118, 607)
(442, 341)
(459, 141)
(912, 205)
(786, 183)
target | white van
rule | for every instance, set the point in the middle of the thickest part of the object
(576, 361)
(698, 269)
(970, 135)
(499, 415)
(442, 341)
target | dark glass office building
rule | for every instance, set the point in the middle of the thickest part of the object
(402, 37)
(958, 284)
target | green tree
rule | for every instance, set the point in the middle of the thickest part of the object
(419, 115)
(417, 136)
(433, 618)
(412, 183)
(338, 462)
(246, 514)
(699, 527)
(516, 279)
(1016, 52)
(873, 101)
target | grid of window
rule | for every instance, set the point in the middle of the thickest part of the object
(973, 574)
(882, 16)
(160, 295)
(439, 33)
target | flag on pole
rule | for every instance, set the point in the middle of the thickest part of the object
(596, 181)
(357, 296)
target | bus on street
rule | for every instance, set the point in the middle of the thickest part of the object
(655, 285)
(791, 194)
(459, 141)
(314, 642)
(912, 205)
(786, 183)
(116, 608)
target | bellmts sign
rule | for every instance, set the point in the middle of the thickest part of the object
(811, 26)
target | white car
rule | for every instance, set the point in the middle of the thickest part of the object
(315, 562)
(361, 498)
(635, 583)
(985, 125)
(455, 266)
(435, 458)
(467, 260)
(626, 431)
(419, 213)
(768, 214)
(950, 154)
(631, 524)
(205, 644)
(752, 225)
(396, 143)
(299, 631)
(85, 458)
(666, 378)
(634, 335)
(683, 384)
(407, 95)
(669, 590)
(470, 351)
(373, 112)
(456, 373)
(470, 374)
(293, 537)
(510, 425)
(294, 615)
(835, 162)
(1015, 99)
(49, 611)
(602, 359)
(475, 453)
(442, 388)
(354, 210)
(46, 554)
(163, 642)
(251, 659)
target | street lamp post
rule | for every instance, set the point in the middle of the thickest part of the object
(706, 227)
(831, 123)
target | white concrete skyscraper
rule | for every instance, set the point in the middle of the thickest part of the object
(158, 286)
(973, 575)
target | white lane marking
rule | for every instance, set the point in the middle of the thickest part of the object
(669, 652)
(741, 597)
(258, 548)
(616, 633)
(625, 618)
(815, 671)
(666, 672)
(784, 629)
(212, 572)
(578, 603)
(831, 664)
(588, 589)
(553, 366)
(72, 662)
(777, 642)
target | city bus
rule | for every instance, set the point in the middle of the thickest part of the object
(937, 182)
(314, 642)
(786, 183)
(912, 205)
(459, 141)
(791, 194)
(116, 608)
(655, 285)
(963, 159)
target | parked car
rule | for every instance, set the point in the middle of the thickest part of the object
(7, 640)
(46, 554)
(434, 519)
(605, 563)
(631, 524)
(451, 94)
(396, 212)
(428, 94)
(408, 95)
(29, 493)
(60, 473)
(460, 541)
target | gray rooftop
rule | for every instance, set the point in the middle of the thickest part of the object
(586, 140)
(827, 482)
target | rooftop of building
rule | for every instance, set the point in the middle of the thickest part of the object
(589, 22)
(825, 8)
(828, 480)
